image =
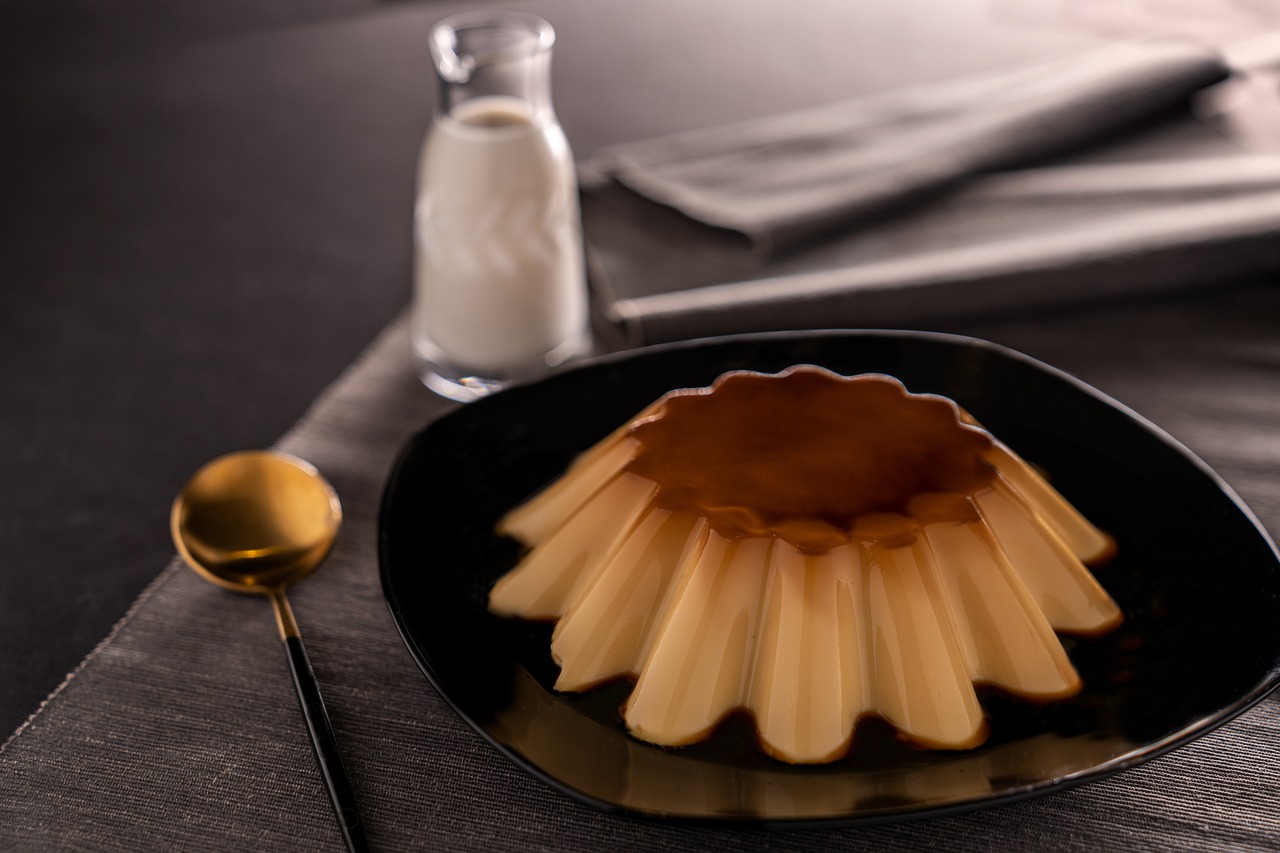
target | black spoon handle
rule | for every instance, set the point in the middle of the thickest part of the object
(326, 746)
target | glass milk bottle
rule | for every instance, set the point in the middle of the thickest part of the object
(499, 289)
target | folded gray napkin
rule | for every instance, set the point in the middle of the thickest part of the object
(1020, 241)
(922, 216)
(787, 179)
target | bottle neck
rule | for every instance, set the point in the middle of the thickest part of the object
(498, 56)
(528, 86)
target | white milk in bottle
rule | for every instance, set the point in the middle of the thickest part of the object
(499, 288)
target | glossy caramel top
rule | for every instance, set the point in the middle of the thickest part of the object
(803, 454)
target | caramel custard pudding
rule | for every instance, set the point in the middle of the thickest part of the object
(811, 549)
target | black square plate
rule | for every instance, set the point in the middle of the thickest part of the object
(1197, 577)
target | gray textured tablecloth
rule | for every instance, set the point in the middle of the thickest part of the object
(181, 731)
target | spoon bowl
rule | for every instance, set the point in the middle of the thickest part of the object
(255, 522)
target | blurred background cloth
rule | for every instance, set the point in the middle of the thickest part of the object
(803, 176)
(1083, 177)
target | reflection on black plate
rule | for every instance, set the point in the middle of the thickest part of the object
(1197, 578)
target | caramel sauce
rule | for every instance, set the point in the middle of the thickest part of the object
(804, 454)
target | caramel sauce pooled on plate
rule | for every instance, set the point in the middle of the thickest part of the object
(804, 454)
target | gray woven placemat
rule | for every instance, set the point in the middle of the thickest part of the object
(181, 731)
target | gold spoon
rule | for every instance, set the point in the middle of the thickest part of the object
(255, 522)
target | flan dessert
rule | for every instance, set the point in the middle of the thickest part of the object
(811, 549)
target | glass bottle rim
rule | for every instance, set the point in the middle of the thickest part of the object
(444, 39)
